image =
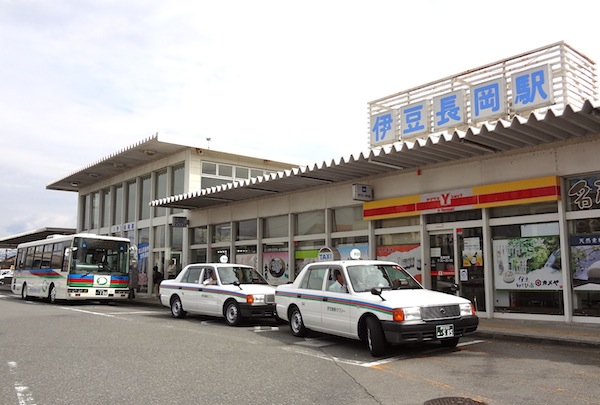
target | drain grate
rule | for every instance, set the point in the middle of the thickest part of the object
(453, 401)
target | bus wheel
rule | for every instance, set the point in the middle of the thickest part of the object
(24, 292)
(52, 294)
(176, 308)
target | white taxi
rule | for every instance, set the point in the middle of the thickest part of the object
(231, 291)
(374, 301)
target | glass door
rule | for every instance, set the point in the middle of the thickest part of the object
(442, 256)
(470, 244)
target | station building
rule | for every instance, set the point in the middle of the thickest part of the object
(488, 179)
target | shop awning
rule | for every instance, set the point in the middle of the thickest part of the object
(12, 241)
(488, 139)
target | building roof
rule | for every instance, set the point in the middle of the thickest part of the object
(11, 241)
(143, 152)
(488, 139)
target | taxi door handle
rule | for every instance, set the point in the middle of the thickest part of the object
(325, 298)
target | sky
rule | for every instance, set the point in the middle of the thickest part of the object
(280, 80)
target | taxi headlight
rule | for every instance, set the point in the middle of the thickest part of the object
(467, 309)
(406, 314)
(255, 299)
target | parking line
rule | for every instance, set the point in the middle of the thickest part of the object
(24, 394)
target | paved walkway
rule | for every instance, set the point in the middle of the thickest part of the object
(577, 334)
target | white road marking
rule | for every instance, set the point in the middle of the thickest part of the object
(24, 394)
(89, 312)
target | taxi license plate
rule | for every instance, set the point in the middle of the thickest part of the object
(444, 331)
(102, 292)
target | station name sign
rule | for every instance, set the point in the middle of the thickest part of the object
(529, 89)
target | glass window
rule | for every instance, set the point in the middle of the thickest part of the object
(159, 236)
(256, 172)
(207, 182)
(178, 183)
(275, 227)
(177, 238)
(453, 216)
(584, 254)
(85, 211)
(348, 219)
(398, 222)
(309, 223)
(144, 235)
(313, 279)
(221, 232)
(209, 168)
(160, 192)
(57, 255)
(145, 193)
(118, 205)
(96, 210)
(199, 235)
(225, 170)
(106, 207)
(583, 192)
(524, 209)
(242, 173)
(131, 195)
(527, 268)
(198, 255)
(247, 230)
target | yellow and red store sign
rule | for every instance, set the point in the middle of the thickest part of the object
(493, 195)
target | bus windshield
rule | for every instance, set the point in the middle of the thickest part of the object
(97, 256)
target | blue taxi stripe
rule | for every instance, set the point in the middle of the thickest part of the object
(336, 300)
(203, 289)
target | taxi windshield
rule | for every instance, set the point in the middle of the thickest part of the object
(243, 275)
(365, 277)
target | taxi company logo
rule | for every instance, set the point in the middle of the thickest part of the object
(102, 280)
(443, 311)
(334, 309)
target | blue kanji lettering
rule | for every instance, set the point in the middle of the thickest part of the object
(448, 110)
(413, 117)
(486, 98)
(527, 86)
(383, 124)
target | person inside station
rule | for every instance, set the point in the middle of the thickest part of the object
(338, 285)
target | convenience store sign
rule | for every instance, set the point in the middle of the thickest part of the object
(494, 195)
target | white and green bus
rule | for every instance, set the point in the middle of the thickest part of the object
(74, 267)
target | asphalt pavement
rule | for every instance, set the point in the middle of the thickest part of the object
(555, 332)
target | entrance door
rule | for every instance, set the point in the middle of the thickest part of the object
(457, 258)
(443, 263)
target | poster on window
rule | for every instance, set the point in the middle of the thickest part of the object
(407, 256)
(472, 254)
(276, 269)
(531, 263)
(585, 262)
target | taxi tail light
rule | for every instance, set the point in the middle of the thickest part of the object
(473, 310)
(250, 299)
(398, 315)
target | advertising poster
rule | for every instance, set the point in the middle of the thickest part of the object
(472, 254)
(276, 269)
(249, 259)
(585, 260)
(142, 276)
(407, 256)
(531, 263)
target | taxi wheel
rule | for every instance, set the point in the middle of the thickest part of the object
(52, 294)
(297, 324)
(375, 337)
(176, 308)
(232, 313)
